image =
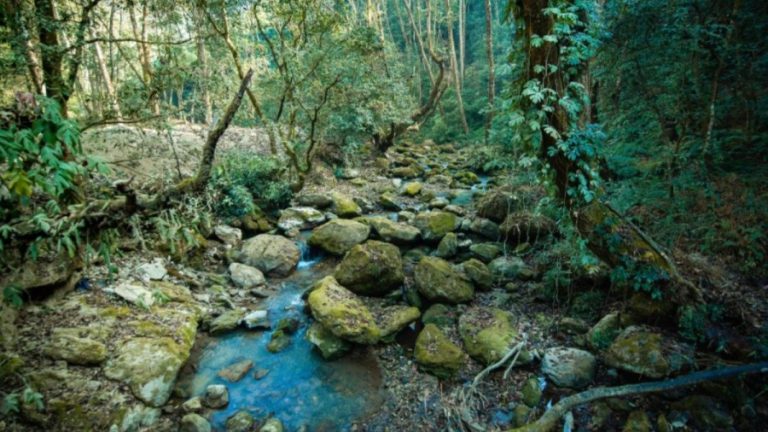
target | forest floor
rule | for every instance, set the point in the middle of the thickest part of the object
(108, 361)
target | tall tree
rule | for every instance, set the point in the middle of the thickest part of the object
(455, 67)
(491, 68)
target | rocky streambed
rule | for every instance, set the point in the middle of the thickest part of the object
(369, 304)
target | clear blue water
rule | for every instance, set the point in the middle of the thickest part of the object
(465, 197)
(301, 388)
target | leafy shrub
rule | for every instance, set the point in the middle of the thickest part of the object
(694, 321)
(242, 180)
(588, 305)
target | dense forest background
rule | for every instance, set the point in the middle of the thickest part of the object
(636, 129)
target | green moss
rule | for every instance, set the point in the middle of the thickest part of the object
(9, 364)
(488, 334)
(341, 312)
(436, 354)
(114, 312)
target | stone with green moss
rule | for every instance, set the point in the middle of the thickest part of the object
(241, 421)
(531, 392)
(341, 311)
(478, 273)
(438, 281)
(436, 354)
(329, 345)
(278, 341)
(373, 268)
(345, 206)
(194, 423)
(637, 422)
(272, 254)
(412, 189)
(440, 315)
(435, 224)
(339, 235)
(389, 201)
(646, 353)
(447, 246)
(602, 334)
(391, 231)
(149, 366)
(227, 321)
(65, 344)
(488, 334)
(485, 252)
(392, 319)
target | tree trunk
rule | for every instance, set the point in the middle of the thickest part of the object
(491, 69)
(462, 37)
(624, 240)
(455, 68)
(51, 54)
(25, 26)
(107, 79)
(145, 56)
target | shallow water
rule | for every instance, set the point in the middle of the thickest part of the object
(301, 389)
(465, 197)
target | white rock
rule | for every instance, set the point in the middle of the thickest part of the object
(135, 294)
(152, 271)
(256, 319)
(300, 218)
(228, 234)
(246, 276)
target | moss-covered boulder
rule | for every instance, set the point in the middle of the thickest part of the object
(569, 367)
(339, 235)
(647, 353)
(300, 218)
(602, 334)
(448, 246)
(488, 334)
(345, 206)
(341, 311)
(227, 321)
(389, 201)
(436, 354)
(520, 227)
(272, 254)
(328, 344)
(486, 228)
(637, 422)
(485, 252)
(438, 281)
(391, 231)
(497, 204)
(435, 224)
(440, 315)
(511, 267)
(392, 319)
(67, 344)
(412, 189)
(149, 366)
(478, 273)
(373, 268)
(241, 421)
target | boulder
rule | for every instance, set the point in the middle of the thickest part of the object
(154, 270)
(488, 334)
(478, 273)
(439, 203)
(149, 366)
(245, 276)
(486, 228)
(602, 334)
(511, 267)
(436, 354)
(522, 227)
(216, 396)
(227, 321)
(329, 345)
(412, 189)
(235, 372)
(229, 235)
(345, 206)
(241, 421)
(339, 235)
(406, 172)
(392, 319)
(434, 224)
(497, 204)
(194, 423)
(272, 254)
(569, 367)
(637, 421)
(485, 252)
(647, 353)
(448, 246)
(373, 268)
(66, 344)
(300, 218)
(438, 281)
(531, 392)
(257, 319)
(389, 201)
(341, 311)
(440, 315)
(316, 200)
(272, 425)
(392, 232)
(135, 294)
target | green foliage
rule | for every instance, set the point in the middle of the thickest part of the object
(588, 305)
(241, 181)
(179, 229)
(694, 321)
(12, 295)
(12, 401)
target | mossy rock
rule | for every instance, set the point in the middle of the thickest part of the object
(392, 319)
(345, 206)
(65, 344)
(478, 273)
(436, 354)
(440, 315)
(525, 227)
(389, 201)
(278, 341)
(329, 345)
(373, 268)
(485, 252)
(226, 322)
(448, 246)
(531, 392)
(488, 334)
(637, 422)
(339, 235)
(391, 231)
(272, 254)
(438, 281)
(647, 353)
(602, 334)
(435, 224)
(149, 366)
(341, 311)
(412, 189)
